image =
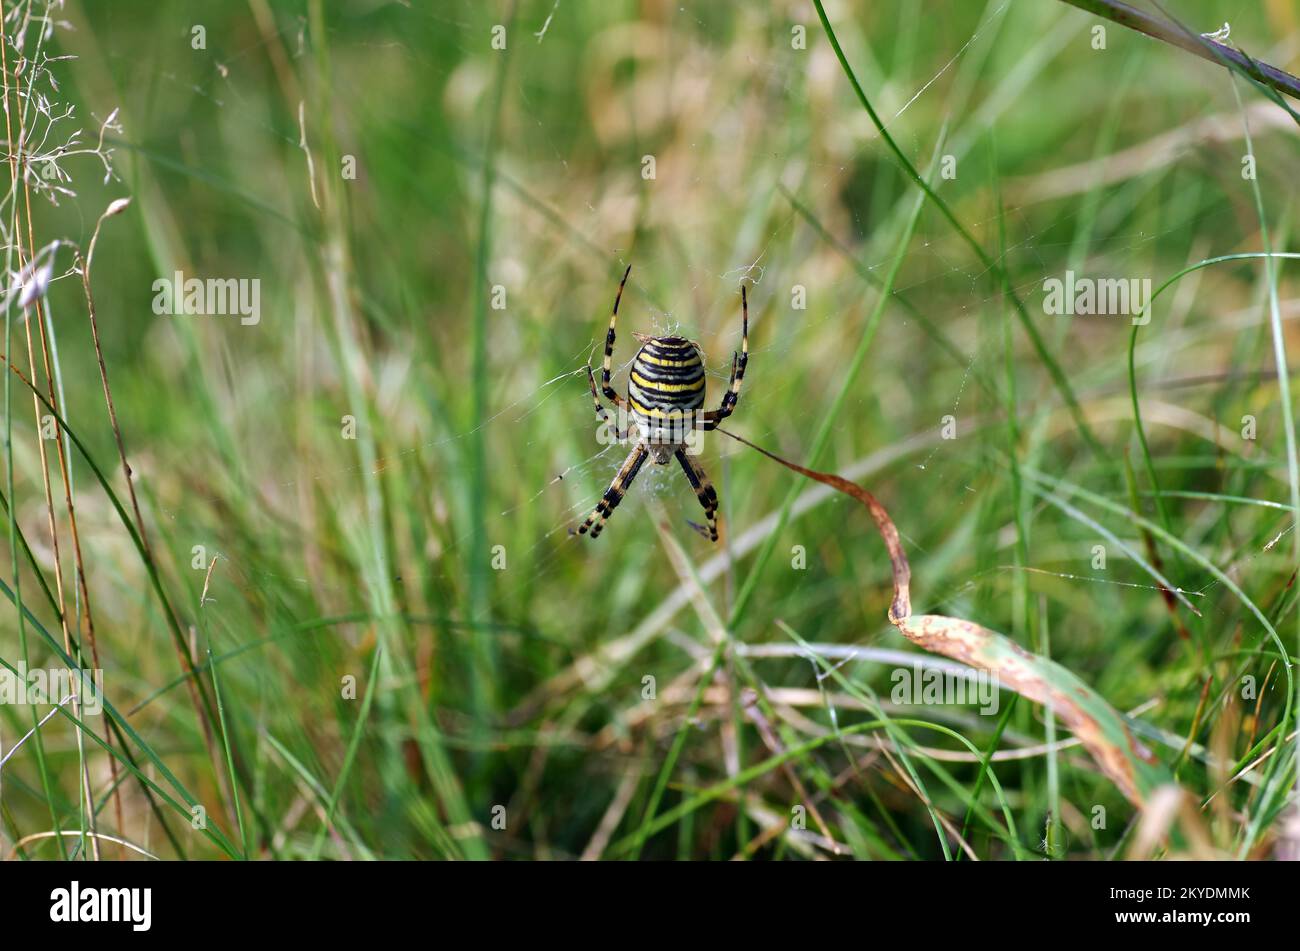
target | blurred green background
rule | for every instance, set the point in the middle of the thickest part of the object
(386, 465)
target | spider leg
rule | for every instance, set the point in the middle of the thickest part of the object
(602, 412)
(703, 491)
(712, 418)
(610, 393)
(614, 494)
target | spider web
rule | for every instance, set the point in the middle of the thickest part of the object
(768, 216)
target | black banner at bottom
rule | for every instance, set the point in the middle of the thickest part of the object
(141, 900)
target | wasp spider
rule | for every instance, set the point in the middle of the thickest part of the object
(664, 394)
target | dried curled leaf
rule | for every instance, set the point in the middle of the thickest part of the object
(1102, 730)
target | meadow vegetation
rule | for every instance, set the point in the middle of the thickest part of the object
(338, 608)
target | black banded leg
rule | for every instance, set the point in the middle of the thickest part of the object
(602, 412)
(614, 494)
(610, 393)
(738, 363)
(703, 491)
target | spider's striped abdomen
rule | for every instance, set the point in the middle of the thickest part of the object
(667, 379)
(665, 393)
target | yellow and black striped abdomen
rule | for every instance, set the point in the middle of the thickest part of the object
(667, 377)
